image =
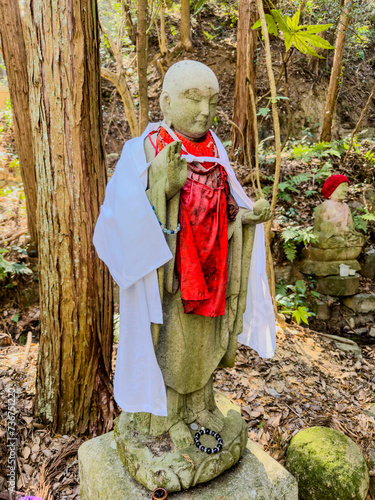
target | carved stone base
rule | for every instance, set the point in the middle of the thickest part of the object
(256, 476)
(330, 254)
(156, 462)
(332, 268)
(339, 286)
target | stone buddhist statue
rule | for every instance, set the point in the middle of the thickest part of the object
(337, 243)
(333, 220)
(190, 291)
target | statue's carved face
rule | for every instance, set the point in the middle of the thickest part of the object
(189, 100)
(339, 194)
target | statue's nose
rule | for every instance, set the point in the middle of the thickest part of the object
(205, 107)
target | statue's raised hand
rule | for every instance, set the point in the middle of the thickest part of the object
(260, 213)
(176, 168)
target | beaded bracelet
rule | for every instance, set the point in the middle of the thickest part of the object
(199, 445)
(164, 229)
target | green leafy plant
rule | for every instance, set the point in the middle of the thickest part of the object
(292, 301)
(303, 37)
(11, 268)
(290, 185)
(8, 113)
(322, 173)
(321, 149)
(293, 235)
(199, 6)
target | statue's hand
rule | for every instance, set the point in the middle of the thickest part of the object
(176, 169)
(260, 213)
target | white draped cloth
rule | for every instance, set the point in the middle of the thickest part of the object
(128, 238)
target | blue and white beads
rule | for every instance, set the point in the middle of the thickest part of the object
(164, 229)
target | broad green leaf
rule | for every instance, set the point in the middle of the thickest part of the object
(280, 20)
(315, 28)
(288, 39)
(301, 314)
(305, 48)
(295, 20)
(257, 25)
(315, 40)
(289, 22)
(271, 25)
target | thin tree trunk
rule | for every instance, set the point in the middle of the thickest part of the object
(185, 31)
(276, 124)
(364, 111)
(74, 391)
(129, 23)
(243, 111)
(142, 62)
(14, 54)
(326, 134)
(163, 37)
(119, 81)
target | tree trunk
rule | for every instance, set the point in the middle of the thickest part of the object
(246, 47)
(119, 81)
(326, 134)
(14, 54)
(129, 23)
(74, 391)
(142, 61)
(185, 35)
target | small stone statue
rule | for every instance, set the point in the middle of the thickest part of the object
(337, 242)
(333, 221)
(189, 250)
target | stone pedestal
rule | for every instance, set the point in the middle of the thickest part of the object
(155, 462)
(339, 286)
(329, 268)
(256, 476)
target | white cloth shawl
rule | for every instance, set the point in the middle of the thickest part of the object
(129, 240)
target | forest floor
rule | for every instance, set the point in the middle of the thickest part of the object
(309, 381)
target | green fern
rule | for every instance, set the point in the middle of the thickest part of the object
(294, 235)
(368, 216)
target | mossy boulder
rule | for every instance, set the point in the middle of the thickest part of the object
(327, 465)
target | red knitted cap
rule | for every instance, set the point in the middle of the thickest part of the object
(332, 183)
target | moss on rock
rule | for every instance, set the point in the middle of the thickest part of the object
(327, 465)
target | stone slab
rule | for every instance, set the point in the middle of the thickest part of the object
(368, 268)
(323, 311)
(345, 345)
(331, 254)
(321, 268)
(361, 303)
(338, 286)
(257, 476)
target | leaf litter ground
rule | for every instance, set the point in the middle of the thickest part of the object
(309, 382)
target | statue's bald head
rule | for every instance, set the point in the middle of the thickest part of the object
(189, 96)
(189, 73)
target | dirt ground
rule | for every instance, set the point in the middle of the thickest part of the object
(309, 382)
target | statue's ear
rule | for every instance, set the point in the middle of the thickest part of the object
(165, 103)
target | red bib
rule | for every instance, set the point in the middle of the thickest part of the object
(202, 243)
